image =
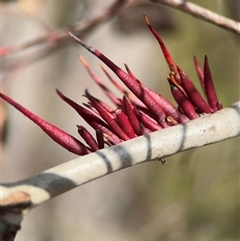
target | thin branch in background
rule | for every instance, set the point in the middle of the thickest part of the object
(54, 39)
(59, 35)
(202, 13)
(79, 28)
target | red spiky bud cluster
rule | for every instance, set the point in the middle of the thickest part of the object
(140, 111)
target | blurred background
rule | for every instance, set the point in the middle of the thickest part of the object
(195, 196)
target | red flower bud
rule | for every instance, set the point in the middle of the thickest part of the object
(61, 137)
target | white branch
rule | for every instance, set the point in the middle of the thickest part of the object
(206, 130)
(33, 191)
(203, 14)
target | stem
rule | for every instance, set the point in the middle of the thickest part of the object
(202, 13)
(206, 130)
(18, 198)
(58, 35)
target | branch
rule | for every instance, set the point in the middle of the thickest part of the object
(203, 14)
(18, 198)
(57, 36)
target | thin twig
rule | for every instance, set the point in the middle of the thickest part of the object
(18, 198)
(203, 14)
(57, 36)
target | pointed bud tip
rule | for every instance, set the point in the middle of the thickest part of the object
(60, 93)
(83, 61)
(103, 67)
(70, 34)
(127, 68)
(146, 19)
(205, 59)
(78, 40)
